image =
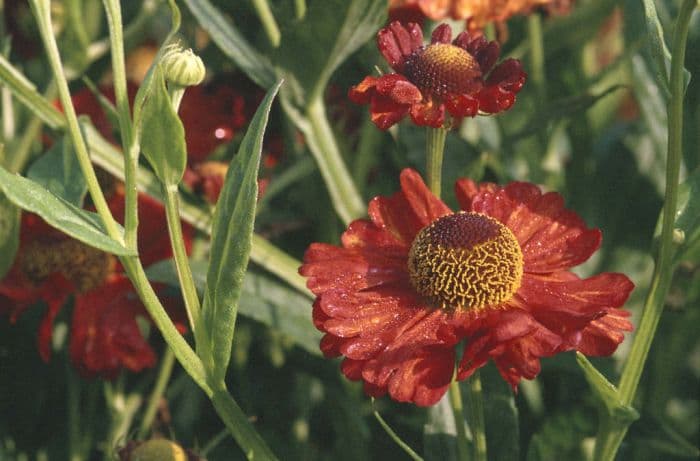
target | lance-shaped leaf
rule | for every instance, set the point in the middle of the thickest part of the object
(232, 232)
(58, 171)
(161, 132)
(57, 212)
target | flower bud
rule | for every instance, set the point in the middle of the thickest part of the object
(154, 450)
(182, 67)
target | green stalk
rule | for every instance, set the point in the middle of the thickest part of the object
(42, 13)
(300, 8)
(346, 199)
(249, 440)
(610, 435)
(272, 30)
(435, 147)
(475, 408)
(455, 395)
(166, 370)
(394, 436)
(184, 272)
(116, 39)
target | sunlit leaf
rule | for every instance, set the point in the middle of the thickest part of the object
(59, 172)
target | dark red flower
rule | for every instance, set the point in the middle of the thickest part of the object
(51, 267)
(458, 76)
(416, 279)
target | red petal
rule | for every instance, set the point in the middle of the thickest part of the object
(385, 112)
(329, 267)
(603, 335)
(461, 105)
(429, 113)
(363, 233)
(441, 34)
(362, 92)
(395, 42)
(508, 75)
(551, 237)
(466, 190)
(408, 211)
(399, 89)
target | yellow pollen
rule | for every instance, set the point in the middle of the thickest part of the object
(443, 68)
(84, 266)
(465, 261)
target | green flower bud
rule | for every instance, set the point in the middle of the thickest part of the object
(182, 67)
(158, 450)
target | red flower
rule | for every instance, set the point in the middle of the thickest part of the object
(458, 76)
(51, 267)
(416, 279)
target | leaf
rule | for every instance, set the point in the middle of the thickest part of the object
(439, 433)
(500, 416)
(9, 234)
(332, 30)
(264, 299)
(161, 132)
(59, 172)
(655, 434)
(607, 393)
(232, 231)
(687, 217)
(64, 216)
(232, 43)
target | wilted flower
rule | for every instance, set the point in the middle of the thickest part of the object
(458, 76)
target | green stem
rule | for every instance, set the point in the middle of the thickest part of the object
(166, 370)
(268, 21)
(394, 436)
(536, 70)
(42, 13)
(246, 436)
(609, 438)
(346, 199)
(184, 272)
(475, 409)
(455, 394)
(116, 38)
(300, 8)
(435, 147)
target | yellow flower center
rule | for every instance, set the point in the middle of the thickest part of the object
(443, 68)
(465, 261)
(85, 266)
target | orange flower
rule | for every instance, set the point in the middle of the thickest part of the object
(458, 75)
(477, 12)
(416, 279)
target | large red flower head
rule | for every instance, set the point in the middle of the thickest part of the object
(458, 76)
(416, 279)
(51, 267)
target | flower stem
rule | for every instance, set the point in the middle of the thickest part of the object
(300, 8)
(434, 147)
(475, 408)
(610, 437)
(458, 412)
(116, 42)
(537, 74)
(166, 370)
(184, 272)
(42, 13)
(262, 8)
(346, 199)
(394, 436)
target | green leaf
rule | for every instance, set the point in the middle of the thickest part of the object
(232, 43)
(687, 218)
(59, 172)
(232, 231)
(57, 212)
(332, 30)
(439, 433)
(264, 299)
(606, 393)
(500, 416)
(654, 433)
(9, 234)
(161, 132)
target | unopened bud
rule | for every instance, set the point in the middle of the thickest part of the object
(183, 67)
(154, 450)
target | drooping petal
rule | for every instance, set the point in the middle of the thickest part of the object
(362, 92)
(602, 336)
(428, 113)
(461, 105)
(396, 42)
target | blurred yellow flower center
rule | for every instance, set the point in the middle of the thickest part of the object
(84, 266)
(465, 261)
(443, 68)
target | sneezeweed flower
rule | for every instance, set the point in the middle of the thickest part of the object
(415, 279)
(105, 336)
(457, 76)
(478, 13)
